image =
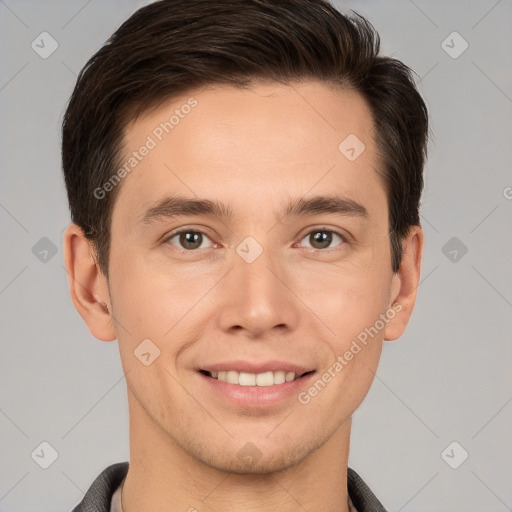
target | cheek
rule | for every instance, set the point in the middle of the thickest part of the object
(157, 390)
(346, 298)
(150, 299)
(351, 306)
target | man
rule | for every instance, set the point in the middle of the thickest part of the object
(244, 179)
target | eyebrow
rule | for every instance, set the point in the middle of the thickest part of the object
(175, 206)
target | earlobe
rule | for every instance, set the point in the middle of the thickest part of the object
(405, 284)
(87, 284)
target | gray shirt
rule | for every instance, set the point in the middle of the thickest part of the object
(116, 505)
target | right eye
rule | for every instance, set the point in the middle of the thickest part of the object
(188, 239)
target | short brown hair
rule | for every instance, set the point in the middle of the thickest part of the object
(171, 46)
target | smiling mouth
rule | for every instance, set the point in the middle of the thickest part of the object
(264, 379)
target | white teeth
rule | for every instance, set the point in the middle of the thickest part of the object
(279, 377)
(290, 376)
(252, 379)
(232, 377)
(264, 379)
(245, 379)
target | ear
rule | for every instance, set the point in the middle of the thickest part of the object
(88, 286)
(404, 284)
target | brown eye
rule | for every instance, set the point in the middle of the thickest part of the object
(189, 240)
(322, 238)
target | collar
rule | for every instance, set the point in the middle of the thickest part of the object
(101, 494)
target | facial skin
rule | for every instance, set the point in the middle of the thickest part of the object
(255, 151)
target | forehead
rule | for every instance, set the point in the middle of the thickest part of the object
(326, 112)
(235, 145)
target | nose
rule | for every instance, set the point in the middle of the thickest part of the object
(258, 298)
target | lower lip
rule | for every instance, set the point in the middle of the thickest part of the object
(257, 397)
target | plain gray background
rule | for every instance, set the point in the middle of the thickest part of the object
(448, 379)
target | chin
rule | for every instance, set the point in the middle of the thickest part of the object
(251, 460)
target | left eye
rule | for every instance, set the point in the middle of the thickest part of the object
(190, 240)
(322, 238)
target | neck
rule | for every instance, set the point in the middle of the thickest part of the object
(163, 476)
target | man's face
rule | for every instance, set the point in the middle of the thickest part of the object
(209, 300)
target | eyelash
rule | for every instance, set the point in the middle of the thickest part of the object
(343, 237)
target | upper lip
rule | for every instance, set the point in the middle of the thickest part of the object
(256, 368)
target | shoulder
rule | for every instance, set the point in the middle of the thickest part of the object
(99, 495)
